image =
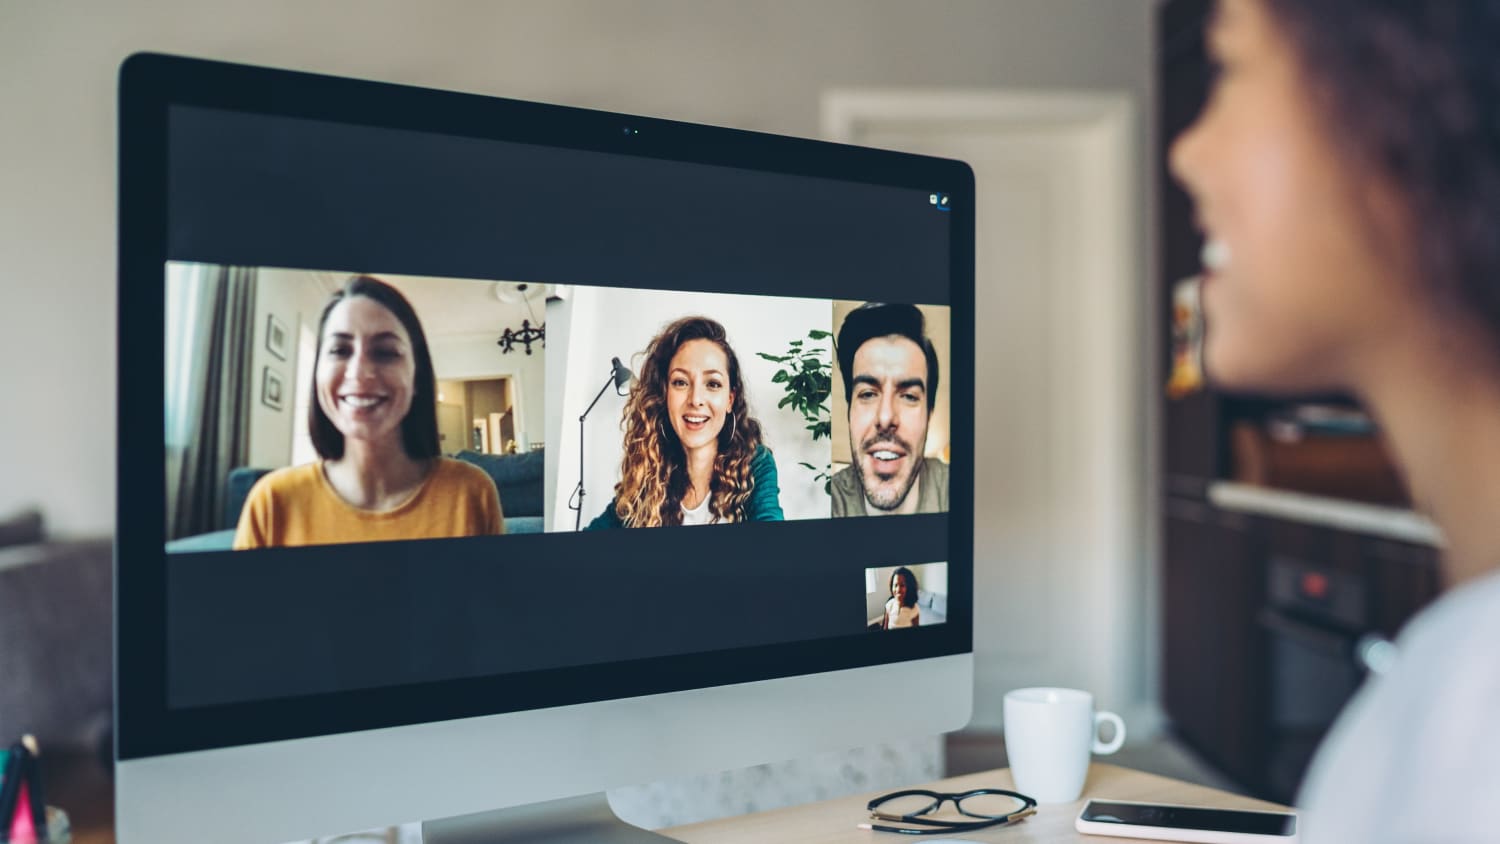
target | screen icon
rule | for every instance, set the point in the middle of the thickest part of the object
(932, 200)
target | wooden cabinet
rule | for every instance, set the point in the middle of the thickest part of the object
(1214, 654)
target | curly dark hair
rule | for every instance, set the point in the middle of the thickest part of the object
(653, 470)
(1412, 90)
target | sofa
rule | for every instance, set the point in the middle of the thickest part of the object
(518, 478)
(55, 634)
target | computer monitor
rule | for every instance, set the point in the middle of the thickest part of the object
(515, 452)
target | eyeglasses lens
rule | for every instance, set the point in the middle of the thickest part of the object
(990, 805)
(915, 804)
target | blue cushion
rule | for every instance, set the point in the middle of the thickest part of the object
(517, 477)
(236, 490)
(219, 540)
(523, 524)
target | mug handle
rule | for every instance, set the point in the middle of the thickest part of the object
(1114, 744)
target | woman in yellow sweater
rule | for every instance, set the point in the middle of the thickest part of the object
(373, 421)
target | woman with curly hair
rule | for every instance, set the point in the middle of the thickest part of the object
(1346, 173)
(693, 452)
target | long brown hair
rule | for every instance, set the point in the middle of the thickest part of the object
(653, 472)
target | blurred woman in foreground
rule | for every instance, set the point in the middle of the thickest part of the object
(1346, 174)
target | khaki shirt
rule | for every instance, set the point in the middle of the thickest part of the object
(931, 490)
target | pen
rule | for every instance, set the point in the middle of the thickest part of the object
(38, 802)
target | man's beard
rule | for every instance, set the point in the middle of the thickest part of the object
(883, 497)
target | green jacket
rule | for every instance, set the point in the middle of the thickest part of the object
(764, 504)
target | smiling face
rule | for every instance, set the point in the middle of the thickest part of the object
(898, 589)
(888, 420)
(1298, 262)
(698, 393)
(366, 371)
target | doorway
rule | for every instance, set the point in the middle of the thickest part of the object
(477, 414)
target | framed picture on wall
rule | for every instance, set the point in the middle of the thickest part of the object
(276, 336)
(271, 389)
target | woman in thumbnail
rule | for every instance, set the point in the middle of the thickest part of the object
(902, 610)
(693, 453)
(373, 421)
(1346, 176)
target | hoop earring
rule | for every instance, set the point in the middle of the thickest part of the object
(731, 427)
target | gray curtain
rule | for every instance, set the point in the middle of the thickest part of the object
(219, 389)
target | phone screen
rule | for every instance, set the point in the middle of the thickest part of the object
(1178, 817)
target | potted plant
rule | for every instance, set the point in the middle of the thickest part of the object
(806, 376)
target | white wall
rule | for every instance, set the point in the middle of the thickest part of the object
(758, 64)
(279, 293)
(606, 323)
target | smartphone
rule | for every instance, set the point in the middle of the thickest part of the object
(1125, 819)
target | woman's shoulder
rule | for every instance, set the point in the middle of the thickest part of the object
(290, 486)
(1456, 632)
(457, 472)
(606, 520)
(291, 479)
(762, 458)
(1433, 710)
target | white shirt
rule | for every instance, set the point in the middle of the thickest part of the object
(1415, 757)
(899, 616)
(699, 515)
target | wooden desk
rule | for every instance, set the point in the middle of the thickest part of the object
(833, 821)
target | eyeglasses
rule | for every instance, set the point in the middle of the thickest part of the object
(977, 809)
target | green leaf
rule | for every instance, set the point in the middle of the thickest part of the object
(784, 402)
(818, 334)
(779, 377)
(773, 358)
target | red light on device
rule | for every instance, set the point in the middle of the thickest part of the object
(1315, 585)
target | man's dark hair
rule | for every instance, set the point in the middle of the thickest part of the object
(419, 434)
(1412, 90)
(874, 319)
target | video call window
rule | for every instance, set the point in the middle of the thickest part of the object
(312, 407)
(720, 412)
(904, 597)
(890, 409)
(308, 407)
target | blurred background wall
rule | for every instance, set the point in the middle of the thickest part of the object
(753, 64)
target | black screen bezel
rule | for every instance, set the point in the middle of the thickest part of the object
(149, 85)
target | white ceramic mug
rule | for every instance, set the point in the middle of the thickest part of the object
(1049, 734)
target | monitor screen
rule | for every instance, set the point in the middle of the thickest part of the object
(478, 407)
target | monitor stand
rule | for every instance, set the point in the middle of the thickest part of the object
(574, 820)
